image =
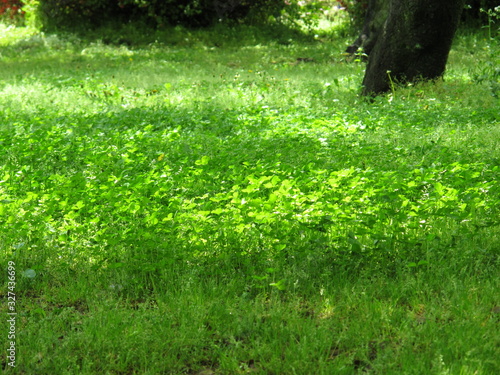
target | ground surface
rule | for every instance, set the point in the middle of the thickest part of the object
(224, 202)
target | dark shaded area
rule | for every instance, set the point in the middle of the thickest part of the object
(375, 12)
(474, 13)
(375, 17)
(413, 45)
(82, 15)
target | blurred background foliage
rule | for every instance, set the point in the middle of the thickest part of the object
(51, 15)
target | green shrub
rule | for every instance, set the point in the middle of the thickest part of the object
(57, 14)
(206, 12)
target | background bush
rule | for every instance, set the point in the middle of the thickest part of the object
(70, 14)
(57, 14)
(476, 11)
(10, 10)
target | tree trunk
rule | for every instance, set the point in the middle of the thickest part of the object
(413, 44)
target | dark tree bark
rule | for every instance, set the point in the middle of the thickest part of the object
(413, 43)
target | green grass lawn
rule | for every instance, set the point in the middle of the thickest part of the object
(223, 202)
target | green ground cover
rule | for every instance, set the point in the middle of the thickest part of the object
(223, 202)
